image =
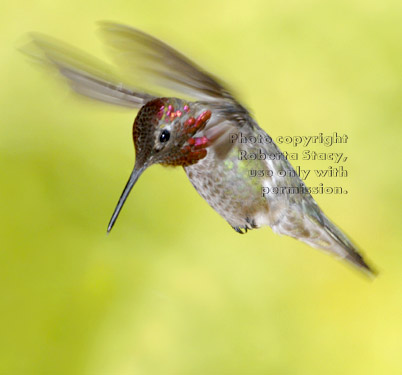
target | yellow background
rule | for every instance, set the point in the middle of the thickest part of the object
(173, 289)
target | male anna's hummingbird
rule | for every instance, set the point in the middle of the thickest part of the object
(201, 136)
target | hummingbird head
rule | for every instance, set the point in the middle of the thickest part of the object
(164, 132)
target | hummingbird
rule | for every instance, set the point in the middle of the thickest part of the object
(200, 134)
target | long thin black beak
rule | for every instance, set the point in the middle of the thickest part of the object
(130, 183)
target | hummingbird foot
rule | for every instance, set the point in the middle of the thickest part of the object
(240, 229)
(245, 228)
(252, 223)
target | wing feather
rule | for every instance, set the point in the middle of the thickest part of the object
(160, 63)
(85, 74)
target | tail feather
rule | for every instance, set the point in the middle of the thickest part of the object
(325, 235)
(347, 250)
(311, 226)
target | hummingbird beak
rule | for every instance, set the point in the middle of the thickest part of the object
(130, 183)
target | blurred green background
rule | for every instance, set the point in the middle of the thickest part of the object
(173, 289)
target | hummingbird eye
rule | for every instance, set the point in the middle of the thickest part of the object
(164, 137)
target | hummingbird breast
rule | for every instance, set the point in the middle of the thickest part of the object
(223, 179)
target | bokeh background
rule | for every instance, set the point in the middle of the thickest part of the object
(173, 289)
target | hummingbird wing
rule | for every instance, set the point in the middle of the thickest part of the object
(152, 60)
(145, 58)
(85, 74)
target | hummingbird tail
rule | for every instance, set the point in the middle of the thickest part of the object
(333, 240)
(347, 249)
(311, 226)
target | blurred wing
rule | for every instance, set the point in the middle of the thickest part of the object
(86, 75)
(161, 64)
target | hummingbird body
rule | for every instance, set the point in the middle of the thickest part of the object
(223, 180)
(207, 137)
